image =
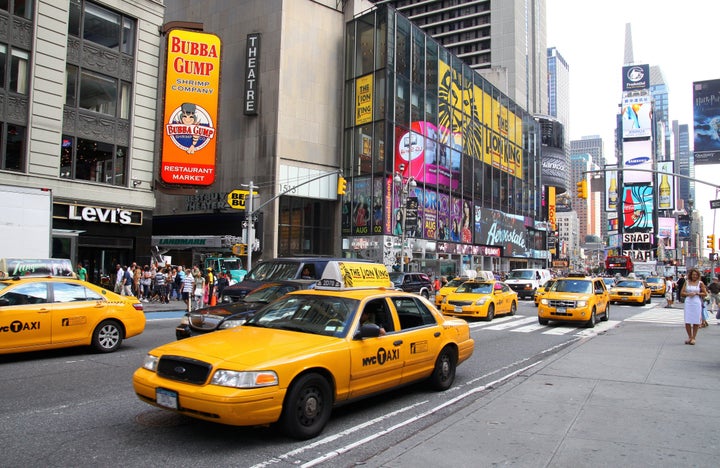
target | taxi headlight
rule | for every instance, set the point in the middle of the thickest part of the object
(151, 362)
(581, 304)
(481, 301)
(236, 379)
(544, 301)
(231, 323)
(444, 300)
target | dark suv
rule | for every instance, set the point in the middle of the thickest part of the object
(278, 269)
(413, 282)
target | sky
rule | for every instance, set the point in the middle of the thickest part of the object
(681, 37)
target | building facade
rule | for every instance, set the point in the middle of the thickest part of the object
(443, 169)
(79, 92)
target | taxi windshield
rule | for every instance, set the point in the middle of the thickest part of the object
(475, 288)
(572, 286)
(628, 284)
(654, 280)
(454, 283)
(305, 313)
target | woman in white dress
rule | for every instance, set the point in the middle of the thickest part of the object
(694, 292)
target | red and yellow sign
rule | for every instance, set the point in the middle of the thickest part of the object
(192, 84)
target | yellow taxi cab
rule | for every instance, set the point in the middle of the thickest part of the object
(47, 312)
(449, 287)
(351, 336)
(541, 290)
(480, 298)
(630, 291)
(575, 298)
(657, 285)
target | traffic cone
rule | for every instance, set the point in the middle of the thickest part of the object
(213, 300)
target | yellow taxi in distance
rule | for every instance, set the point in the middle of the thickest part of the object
(541, 290)
(449, 287)
(351, 336)
(630, 291)
(480, 298)
(38, 313)
(657, 285)
(575, 299)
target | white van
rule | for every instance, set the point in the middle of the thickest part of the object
(525, 281)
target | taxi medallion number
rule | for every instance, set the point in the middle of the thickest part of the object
(561, 310)
(458, 310)
(166, 398)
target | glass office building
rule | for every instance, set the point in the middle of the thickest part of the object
(443, 170)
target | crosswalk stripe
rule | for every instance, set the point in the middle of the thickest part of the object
(510, 324)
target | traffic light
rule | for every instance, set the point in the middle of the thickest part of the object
(239, 249)
(582, 190)
(342, 185)
(711, 242)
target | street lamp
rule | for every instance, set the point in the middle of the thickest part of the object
(404, 186)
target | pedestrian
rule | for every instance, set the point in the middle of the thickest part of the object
(669, 293)
(127, 281)
(160, 282)
(145, 284)
(81, 272)
(210, 285)
(679, 285)
(714, 295)
(137, 274)
(222, 283)
(694, 292)
(199, 291)
(188, 282)
(119, 273)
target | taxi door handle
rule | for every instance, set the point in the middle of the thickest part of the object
(397, 342)
(43, 310)
(437, 333)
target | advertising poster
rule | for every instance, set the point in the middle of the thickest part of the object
(612, 189)
(637, 155)
(418, 155)
(666, 232)
(665, 183)
(637, 116)
(636, 77)
(192, 85)
(638, 209)
(363, 100)
(706, 116)
(493, 227)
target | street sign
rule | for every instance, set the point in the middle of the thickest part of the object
(714, 204)
(236, 199)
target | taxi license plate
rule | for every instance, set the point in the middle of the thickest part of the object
(561, 310)
(166, 398)
(458, 310)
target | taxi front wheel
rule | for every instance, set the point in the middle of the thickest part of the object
(307, 407)
(107, 337)
(443, 374)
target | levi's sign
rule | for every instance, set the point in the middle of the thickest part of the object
(714, 204)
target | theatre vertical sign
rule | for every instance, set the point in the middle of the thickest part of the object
(192, 84)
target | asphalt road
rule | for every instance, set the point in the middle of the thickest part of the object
(75, 408)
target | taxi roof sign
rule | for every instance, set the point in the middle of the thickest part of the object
(354, 275)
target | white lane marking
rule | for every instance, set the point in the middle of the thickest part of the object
(339, 451)
(507, 318)
(529, 328)
(505, 326)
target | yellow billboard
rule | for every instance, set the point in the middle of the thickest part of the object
(192, 84)
(363, 100)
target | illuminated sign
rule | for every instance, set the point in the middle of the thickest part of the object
(191, 105)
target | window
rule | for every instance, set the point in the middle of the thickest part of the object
(71, 292)
(21, 8)
(91, 160)
(13, 148)
(15, 77)
(102, 26)
(31, 293)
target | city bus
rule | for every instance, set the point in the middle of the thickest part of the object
(615, 264)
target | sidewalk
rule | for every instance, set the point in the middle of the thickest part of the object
(173, 306)
(633, 396)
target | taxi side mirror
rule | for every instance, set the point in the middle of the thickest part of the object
(369, 330)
